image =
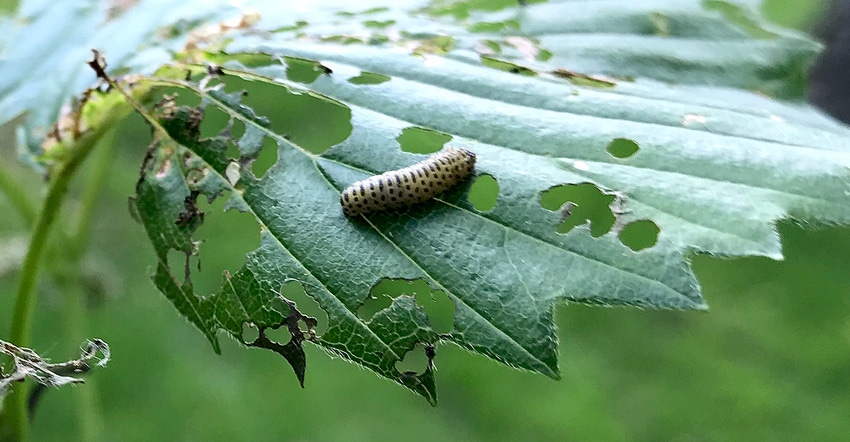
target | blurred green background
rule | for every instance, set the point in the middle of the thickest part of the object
(771, 360)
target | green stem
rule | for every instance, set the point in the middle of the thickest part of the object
(17, 196)
(15, 405)
(14, 421)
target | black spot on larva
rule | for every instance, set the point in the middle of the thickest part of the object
(392, 194)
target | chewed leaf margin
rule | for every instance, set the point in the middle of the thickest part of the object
(167, 186)
(502, 287)
(161, 201)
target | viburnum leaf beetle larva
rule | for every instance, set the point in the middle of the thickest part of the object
(411, 185)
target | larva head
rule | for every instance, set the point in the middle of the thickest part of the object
(466, 156)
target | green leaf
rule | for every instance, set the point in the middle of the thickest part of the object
(628, 114)
(45, 49)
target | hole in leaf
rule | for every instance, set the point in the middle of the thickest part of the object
(304, 71)
(177, 265)
(178, 96)
(344, 39)
(249, 60)
(414, 361)
(294, 291)
(377, 39)
(439, 309)
(420, 140)
(579, 79)
(436, 304)
(494, 27)
(578, 204)
(298, 25)
(622, 148)
(312, 122)
(484, 192)
(256, 60)
(494, 46)
(250, 333)
(281, 334)
(462, 10)
(373, 304)
(640, 235)
(232, 151)
(214, 122)
(366, 78)
(739, 17)
(378, 24)
(507, 66)
(237, 129)
(439, 45)
(375, 10)
(226, 238)
(266, 159)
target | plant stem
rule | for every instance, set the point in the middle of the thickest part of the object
(14, 421)
(15, 405)
(17, 196)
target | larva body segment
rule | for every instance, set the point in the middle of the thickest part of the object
(411, 185)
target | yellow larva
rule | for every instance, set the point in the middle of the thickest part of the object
(411, 185)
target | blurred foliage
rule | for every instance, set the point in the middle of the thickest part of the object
(768, 361)
(799, 14)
